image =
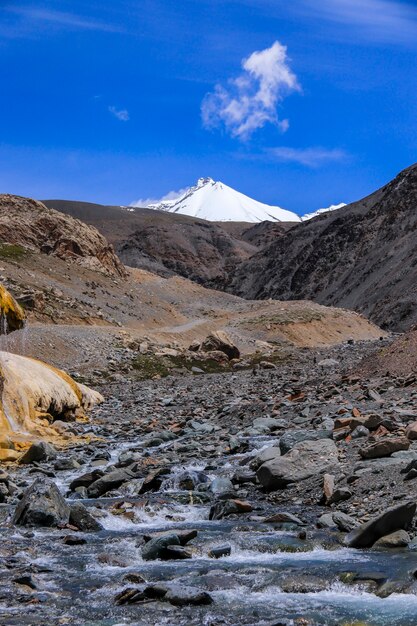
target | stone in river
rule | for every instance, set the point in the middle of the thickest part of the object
(179, 595)
(219, 551)
(81, 517)
(156, 548)
(42, 505)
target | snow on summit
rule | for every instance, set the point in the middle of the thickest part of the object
(216, 202)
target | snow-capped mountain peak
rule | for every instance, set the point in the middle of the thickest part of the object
(214, 201)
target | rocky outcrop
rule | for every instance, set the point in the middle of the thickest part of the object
(354, 257)
(33, 226)
(168, 243)
(12, 316)
(35, 394)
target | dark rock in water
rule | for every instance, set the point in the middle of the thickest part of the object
(219, 551)
(39, 451)
(86, 479)
(81, 517)
(228, 507)
(177, 552)
(292, 437)
(73, 540)
(395, 518)
(222, 488)
(190, 480)
(130, 595)
(109, 481)
(156, 548)
(183, 596)
(154, 480)
(308, 458)
(184, 536)
(25, 579)
(283, 518)
(42, 505)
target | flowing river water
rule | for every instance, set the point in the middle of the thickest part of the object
(274, 573)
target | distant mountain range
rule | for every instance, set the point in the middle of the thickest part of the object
(216, 202)
(361, 256)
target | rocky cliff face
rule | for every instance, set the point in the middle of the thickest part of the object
(363, 257)
(30, 224)
(168, 244)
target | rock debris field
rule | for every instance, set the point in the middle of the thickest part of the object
(282, 495)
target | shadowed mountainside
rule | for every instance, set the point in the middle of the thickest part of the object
(363, 257)
(168, 244)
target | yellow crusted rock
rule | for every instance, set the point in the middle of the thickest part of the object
(12, 316)
(33, 394)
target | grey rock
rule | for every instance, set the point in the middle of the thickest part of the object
(42, 505)
(156, 548)
(397, 539)
(309, 458)
(292, 437)
(39, 451)
(81, 517)
(222, 488)
(395, 518)
(183, 596)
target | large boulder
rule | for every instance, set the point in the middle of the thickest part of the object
(42, 505)
(34, 394)
(396, 518)
(306, 459)
(219, 341)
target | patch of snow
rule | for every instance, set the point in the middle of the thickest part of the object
(333, 207)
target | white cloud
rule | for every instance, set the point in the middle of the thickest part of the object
(311, 157)
(171, 195)
(61, 18)
(121, 114)
(250, 101)
(380, 20)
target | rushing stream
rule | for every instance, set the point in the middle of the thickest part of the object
(275, 573)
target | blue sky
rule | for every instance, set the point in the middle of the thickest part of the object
(300, 104)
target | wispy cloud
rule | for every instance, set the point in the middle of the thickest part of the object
(120, 114)
(171, 195)
(61, 19)
(250, 101)
(311, 157)
(380, 20)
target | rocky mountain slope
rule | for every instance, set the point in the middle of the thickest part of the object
(30, 225)
(171, 243)
(362, 257)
